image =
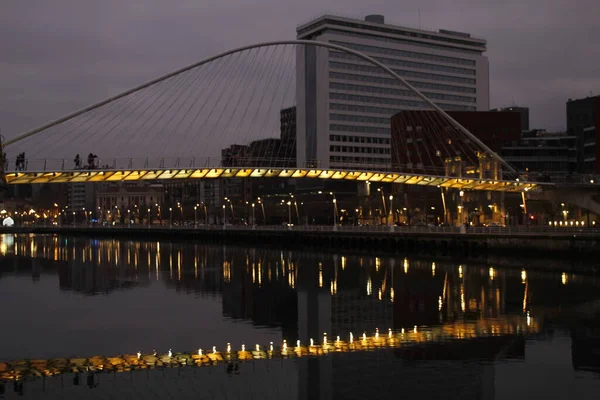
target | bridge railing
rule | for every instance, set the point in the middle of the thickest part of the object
(149, 163)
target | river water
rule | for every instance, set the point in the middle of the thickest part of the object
(477, 331)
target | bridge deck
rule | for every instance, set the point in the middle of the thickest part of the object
(117, 175)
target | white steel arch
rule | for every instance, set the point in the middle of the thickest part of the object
(257, 45)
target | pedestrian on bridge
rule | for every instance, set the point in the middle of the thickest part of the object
(77, 161)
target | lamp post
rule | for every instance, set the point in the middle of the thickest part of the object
(149, 214)
(195, 216)
(170, 217)
(334, 214)
(380, 190)
(253, 221)
(128, 217)
(289, 204)
(461, 207)
(262, 206)
(223, 216)
(391, 221)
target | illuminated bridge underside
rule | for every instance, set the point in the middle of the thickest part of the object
(503, 326)
(109, 175)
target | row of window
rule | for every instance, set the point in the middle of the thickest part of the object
(354, 149)
(401, 63)
(410, 74)
(359, 118)
(398, 92)
(362, 160)
(365, 109)
(394, 82)
(410, 42)
(404, 53)
(354, 128)
(395, 102)
(358, 139)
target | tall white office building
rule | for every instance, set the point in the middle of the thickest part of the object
(344, 103)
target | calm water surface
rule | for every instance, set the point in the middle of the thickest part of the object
(508, 333)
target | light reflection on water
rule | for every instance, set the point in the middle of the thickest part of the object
(67, 296)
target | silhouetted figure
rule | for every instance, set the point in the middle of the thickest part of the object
(91, 381)
(20, 162)
(77, 161)
(90, 161)
(76, 379)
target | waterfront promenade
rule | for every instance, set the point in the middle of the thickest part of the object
(520, 240)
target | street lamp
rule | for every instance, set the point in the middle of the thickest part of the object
(223, 216)
(334, 214)
(149, 217)
(253, 221)
(195, 216)
(170, 217)
(262, 206)
(391, 223)
(128, 217)
(289, 204)
(380, 190)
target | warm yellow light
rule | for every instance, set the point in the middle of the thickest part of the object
(523, 276)
(564, 279)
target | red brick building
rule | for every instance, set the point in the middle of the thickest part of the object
(424, 141)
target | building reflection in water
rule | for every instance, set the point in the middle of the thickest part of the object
(308, 294)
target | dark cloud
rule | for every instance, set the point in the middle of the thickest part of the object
(58, 56)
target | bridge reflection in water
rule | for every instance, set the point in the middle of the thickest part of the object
(435, 309)
(405, 341)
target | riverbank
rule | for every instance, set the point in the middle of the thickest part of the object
(581, 244)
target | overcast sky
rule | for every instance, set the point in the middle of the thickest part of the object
(57, 56)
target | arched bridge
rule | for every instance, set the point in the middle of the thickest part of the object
(224, 117)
